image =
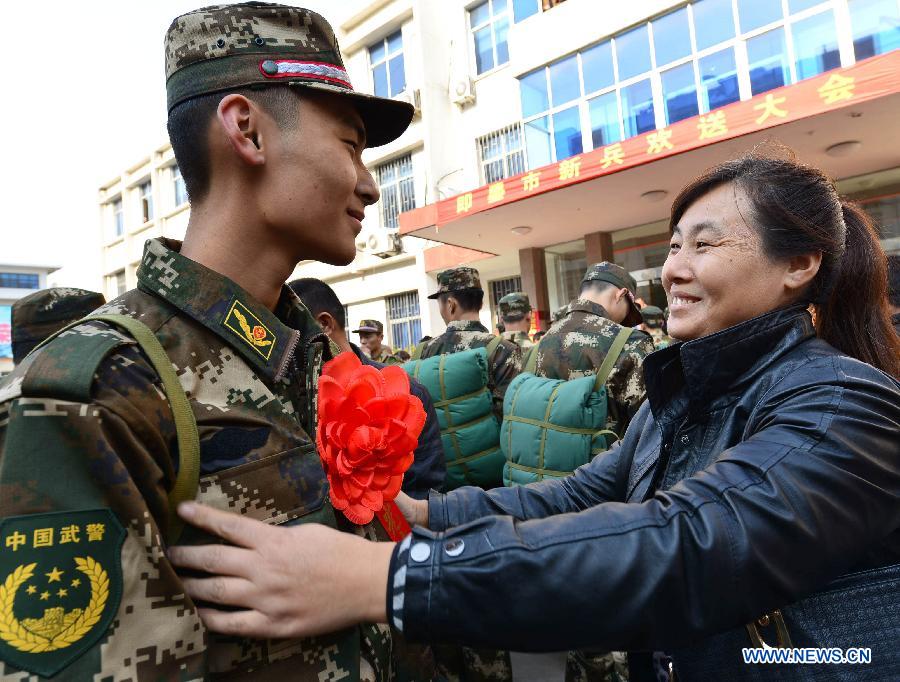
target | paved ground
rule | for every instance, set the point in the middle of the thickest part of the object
(538, 667)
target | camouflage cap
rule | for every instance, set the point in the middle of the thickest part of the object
(514, 306)
(457, 279)
(38, 315)
(366, 326)
(650, 313)
(260, 44)
(619, 277)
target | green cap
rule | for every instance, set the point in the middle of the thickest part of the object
(514, 306)
(43, 313)
(618, 277)
(260, 44)
(366, 326)
(457, 279)
(650, 313)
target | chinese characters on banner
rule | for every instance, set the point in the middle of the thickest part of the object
(865, 81)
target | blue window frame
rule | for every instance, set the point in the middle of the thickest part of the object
(672, 37)
(876, 27)
(815, 45)
(718, 80)
(679, 93)
(403, 318)
(387, 65)
(637, 108)
(489, 23)
(522, 9)
(533, 92)
(19, 280)
(567, 133)
(767, 58)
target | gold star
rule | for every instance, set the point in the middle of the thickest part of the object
(76, 582)
(45, 596)
(63, 592)
(31, 589)
(54, 575)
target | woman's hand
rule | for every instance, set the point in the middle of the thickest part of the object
(414, 511)
(291, 582)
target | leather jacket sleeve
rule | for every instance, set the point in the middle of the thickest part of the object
(813, 485)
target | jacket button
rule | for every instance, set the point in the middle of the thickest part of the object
(270, 67)
(763, 621)
(454, 547)
(420, 552)
(685, 440)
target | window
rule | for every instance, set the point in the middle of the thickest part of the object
(757, 13)
(672, 37)
(767, 57)
(386, 64)
(815, 45)
(181, 196)
(395, 180)
(502, 287)
(118, 218)
(876, 26)
(19, 280)
(604, 113)
(679, 93)
(489, 23)
(120, 282)
(713, 22)
(637, 108)
(522, 9)
(146, 193)
(403, 319)
(718, 80)
(502, 154)
(633, 52)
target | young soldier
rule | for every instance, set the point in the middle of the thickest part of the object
(515, 311)
(268, 134)
(371, 338)
(653, 324)
(460, 297)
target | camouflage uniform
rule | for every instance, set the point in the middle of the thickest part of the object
(385, 354)
(88, 447)
(521, 339)
(253, 396)
(41, 314)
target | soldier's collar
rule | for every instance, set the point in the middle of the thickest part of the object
(585, 306)
(466, 326)
(266, 342)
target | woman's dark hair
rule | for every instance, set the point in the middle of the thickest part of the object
(797, 210)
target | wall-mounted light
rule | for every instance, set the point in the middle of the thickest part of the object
(520, 230)
(844, 148)
(654, 195)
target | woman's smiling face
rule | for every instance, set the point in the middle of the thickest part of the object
(716, 274)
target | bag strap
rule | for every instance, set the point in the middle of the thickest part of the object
(615, 350)
(188, 479)
(492, 345)
(531, 358)
(417, 351)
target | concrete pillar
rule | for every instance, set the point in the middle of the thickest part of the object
(598, 247)
(533, 267)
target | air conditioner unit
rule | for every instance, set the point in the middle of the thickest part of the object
(413, 97)
(381, 243)
(462, 92)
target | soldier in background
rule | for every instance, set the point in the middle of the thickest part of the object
(576, 344)
(515, 312)
(371, 340)
(89, 453)
(460, 298)
(41, 314)
(654, 318)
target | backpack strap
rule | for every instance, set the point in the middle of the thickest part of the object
(615, 350)
(531, 358)
(492, 345)
(417, 351)
(77, 386)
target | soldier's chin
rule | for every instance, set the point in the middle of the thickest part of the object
(340, 255)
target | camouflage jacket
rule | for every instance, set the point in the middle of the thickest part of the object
(576, 345)
(105, 460)
(660, 338)
(384, 355)
(521, 339)
(503, 365)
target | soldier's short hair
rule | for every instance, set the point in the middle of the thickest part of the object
(318, 297)
(470, 300)
(597, 286)
(189, 122)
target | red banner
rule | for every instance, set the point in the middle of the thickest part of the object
(867, 80)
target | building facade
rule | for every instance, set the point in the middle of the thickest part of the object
(550, 135)
(16, 281)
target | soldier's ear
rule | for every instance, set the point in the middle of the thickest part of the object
(326, 322)
(240, 119)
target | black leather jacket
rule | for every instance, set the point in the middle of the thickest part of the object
(763, 465)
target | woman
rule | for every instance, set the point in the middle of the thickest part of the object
(764, 465)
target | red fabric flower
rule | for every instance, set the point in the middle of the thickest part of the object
(369, 426)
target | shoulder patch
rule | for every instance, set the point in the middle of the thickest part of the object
(61, 586)
(241, 321)
(65, 367)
